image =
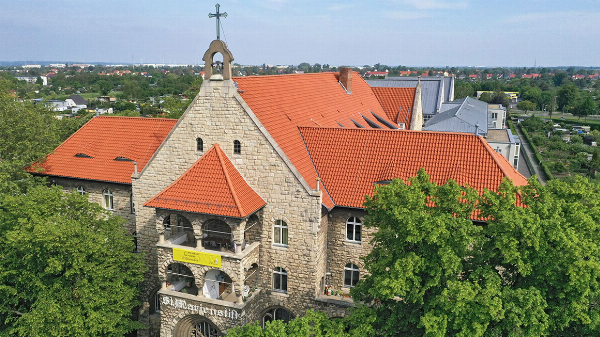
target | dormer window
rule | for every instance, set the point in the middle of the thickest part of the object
(122, 159)
(83, 155)
(199, 144)
(237, 147)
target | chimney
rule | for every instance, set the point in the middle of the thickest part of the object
(346, 78)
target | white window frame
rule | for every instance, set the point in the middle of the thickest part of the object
(108, 199)
(355, 222)
(352, 269)
(281, 274)
(81, 190)
(280, 227)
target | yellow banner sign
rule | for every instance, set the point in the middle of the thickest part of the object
(190, 256)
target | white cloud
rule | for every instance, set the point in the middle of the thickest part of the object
(437, 4)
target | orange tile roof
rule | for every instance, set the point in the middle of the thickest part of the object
(396, 102)
(91, 151)
(284, 102)
(350, 161)
(211, 186)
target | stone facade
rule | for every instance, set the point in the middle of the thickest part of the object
(218, 115)
(175, 299)
(121, 195)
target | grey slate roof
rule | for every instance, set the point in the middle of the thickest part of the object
(460, 116)
(435, 90)
(78, 100)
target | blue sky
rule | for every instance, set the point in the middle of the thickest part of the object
(401, 32)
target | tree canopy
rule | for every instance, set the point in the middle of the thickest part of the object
(525, 271)
(67, 267)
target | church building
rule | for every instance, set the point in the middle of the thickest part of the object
(249, 207)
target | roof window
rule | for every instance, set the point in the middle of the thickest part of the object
(371, 123)
(120, 158)
(83, 155)
(383, 121)
(357, 124)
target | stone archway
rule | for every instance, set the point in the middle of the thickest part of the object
(196, 326)
(217, 46)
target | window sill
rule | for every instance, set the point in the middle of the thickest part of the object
(279, 293)
(278, 245)
(353, 242)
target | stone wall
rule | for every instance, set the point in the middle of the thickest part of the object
(219, 115)
(340, 251)
(121, 196)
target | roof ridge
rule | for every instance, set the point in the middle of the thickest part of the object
(228, 179)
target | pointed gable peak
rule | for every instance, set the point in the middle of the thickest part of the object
(211, 186)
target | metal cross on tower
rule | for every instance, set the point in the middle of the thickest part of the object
(218, 16)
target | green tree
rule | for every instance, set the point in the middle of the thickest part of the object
(585, 107)
(526, 106)
(67, 269)
(463, 89)
(104, 86)
(313, 323)
(526, 271)
(28, 132)
(567, 96)
(486, 97)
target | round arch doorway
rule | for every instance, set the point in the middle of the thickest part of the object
(196, 326)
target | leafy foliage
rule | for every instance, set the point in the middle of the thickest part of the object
(312, 324)
(66, 269)
(528, 271)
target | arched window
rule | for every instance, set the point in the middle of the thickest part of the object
(217, 235)
(280, 280)
(196, 326)
(199, 144)
(237, 147)
(81, 190)
(108, 199)
(276, 314)
(351, 275)
(353, 229)
(180, 278)
(280, 233)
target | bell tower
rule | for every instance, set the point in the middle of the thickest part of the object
(217, 71)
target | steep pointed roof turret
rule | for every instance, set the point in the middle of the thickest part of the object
(211, 186)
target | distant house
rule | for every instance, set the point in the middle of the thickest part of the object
(384, 74)
(106, 99)
(73, 103)
(33, 79)
(76, 102)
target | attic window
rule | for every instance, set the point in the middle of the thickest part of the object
(357, 125)
(122, 159)
(237, 147)
(371, 123)
(383, 121)
(83, 155)
(340, 124)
